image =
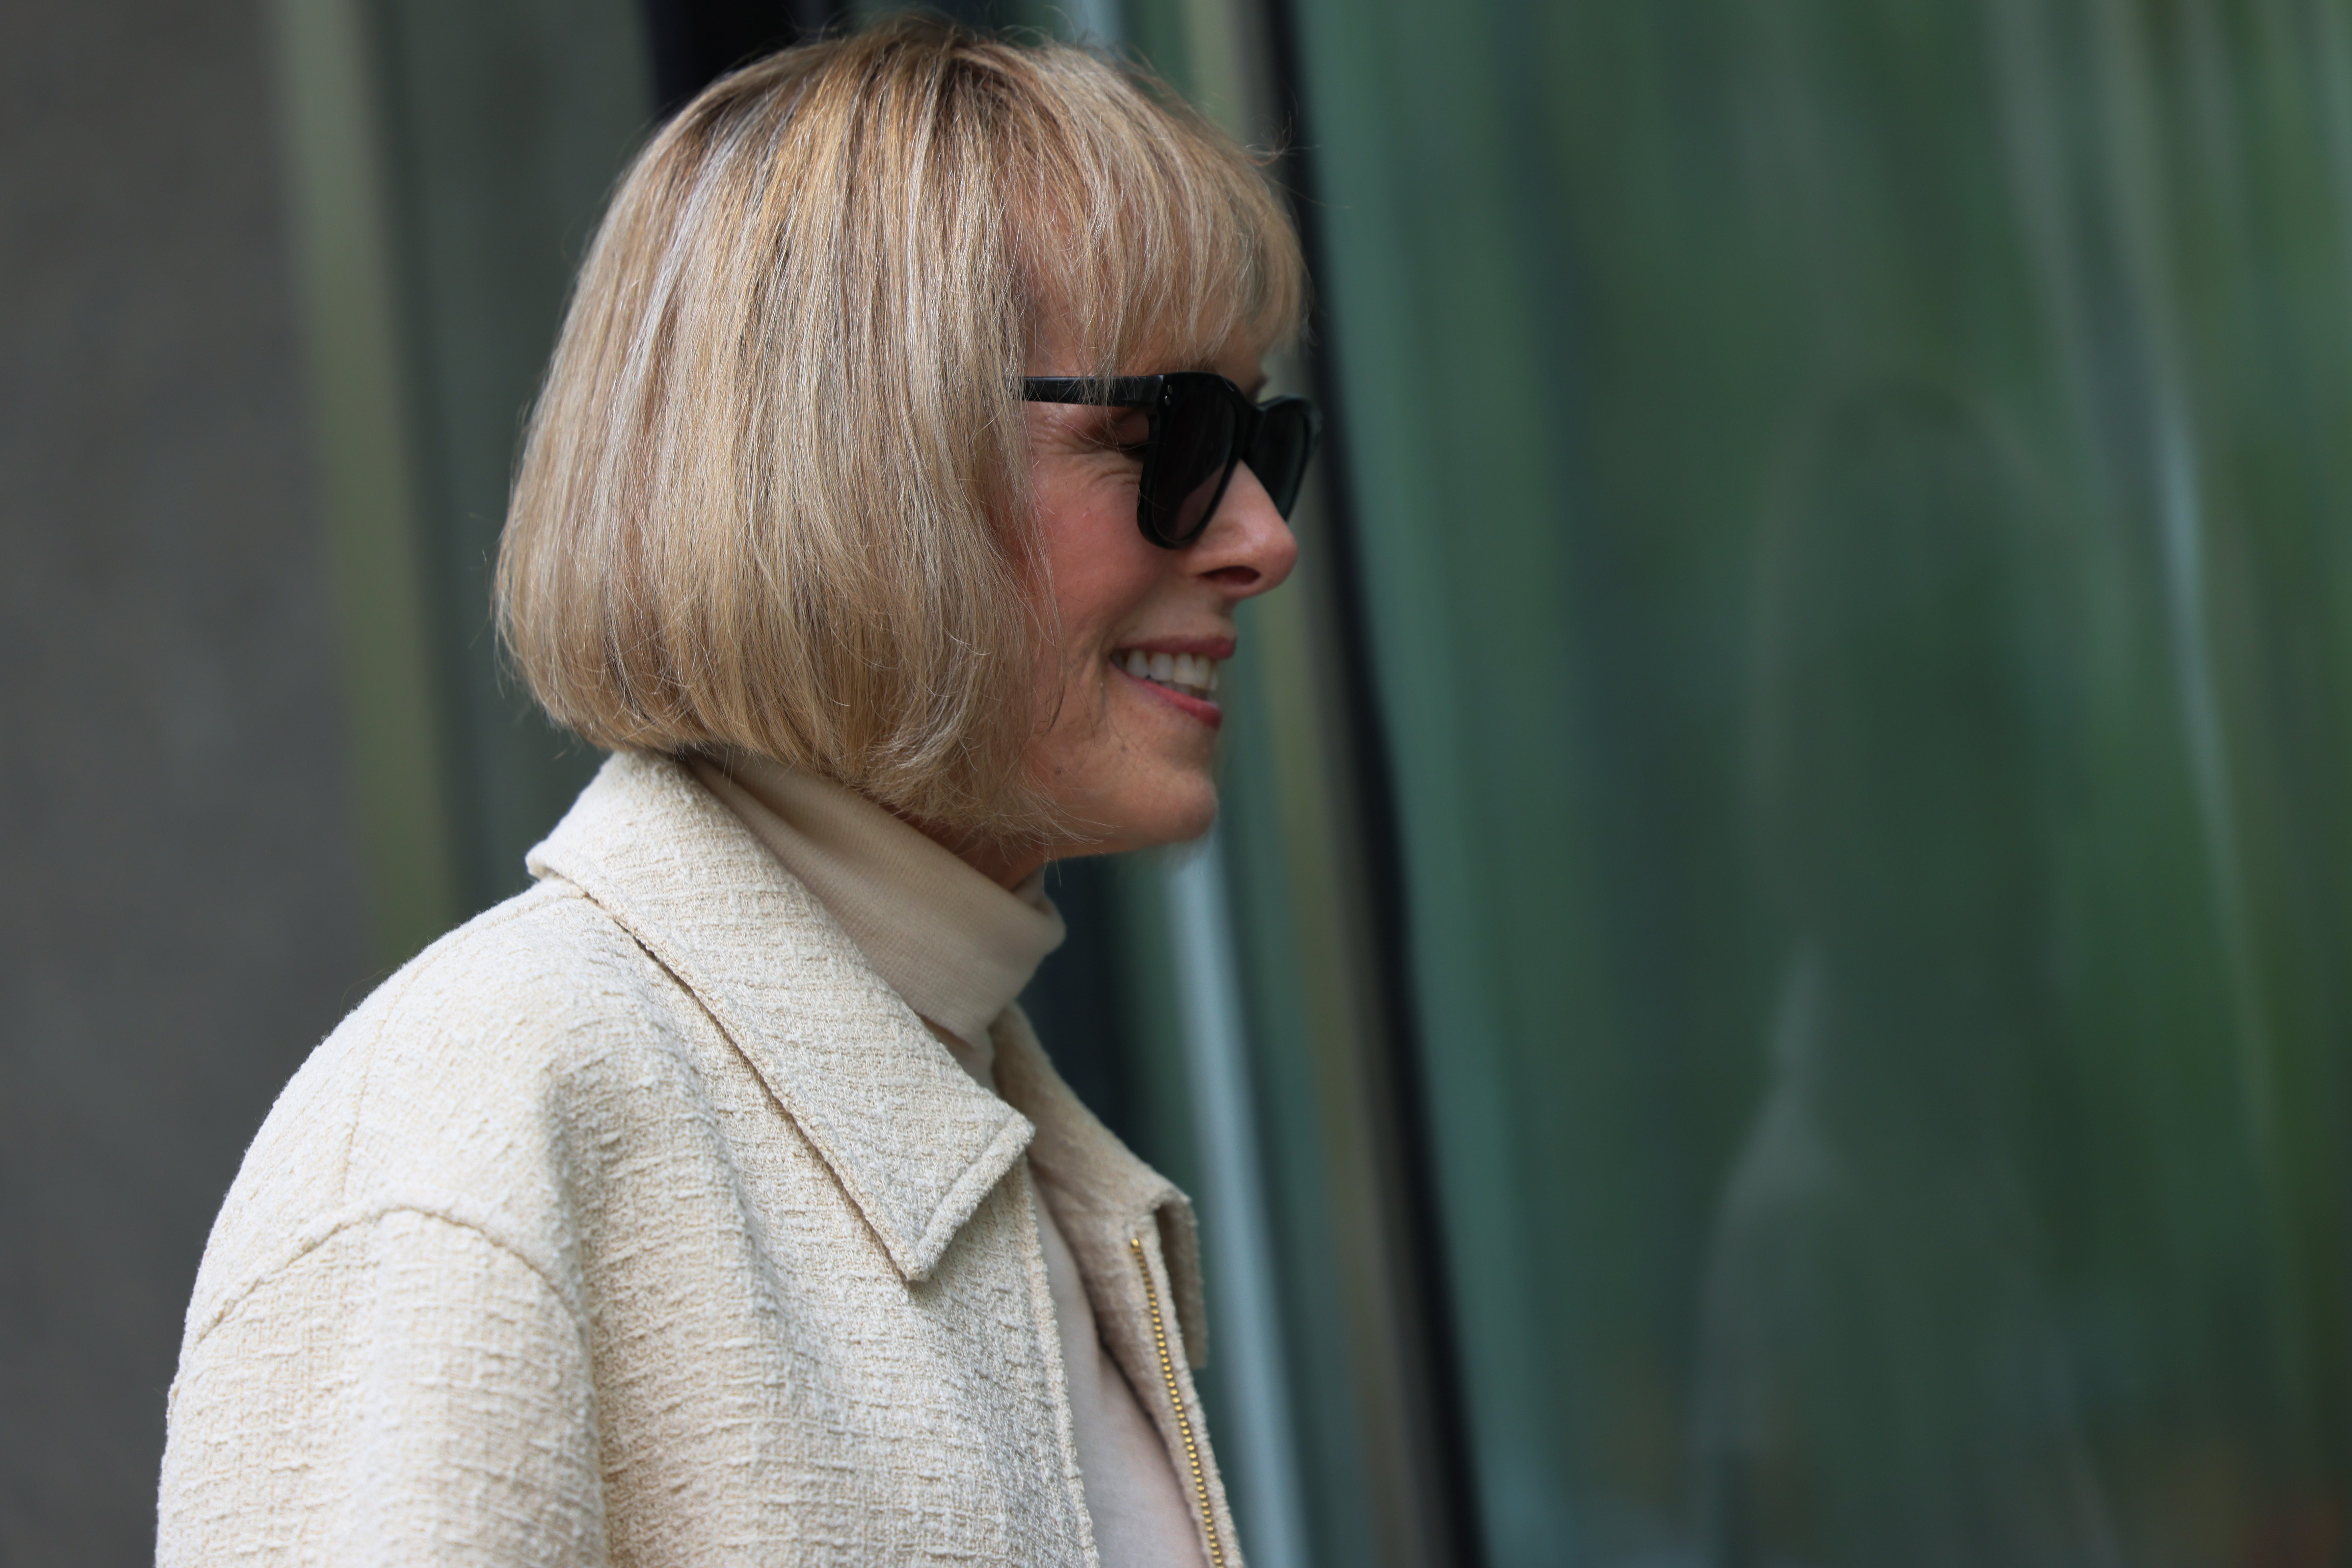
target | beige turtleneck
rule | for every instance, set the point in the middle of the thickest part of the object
(959, 948)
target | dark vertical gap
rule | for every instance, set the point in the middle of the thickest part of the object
(1382, 848)
(1078, 1000)
(983, 15)
(693, 43)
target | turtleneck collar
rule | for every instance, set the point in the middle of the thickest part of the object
(956, 946)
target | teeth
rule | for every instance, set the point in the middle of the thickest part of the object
(1180, 671)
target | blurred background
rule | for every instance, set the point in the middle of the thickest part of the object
(1772, 989)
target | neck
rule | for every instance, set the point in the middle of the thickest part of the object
(1006, 865)
(957, 946)
(1006, 868)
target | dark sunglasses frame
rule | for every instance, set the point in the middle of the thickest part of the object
(1276, 438)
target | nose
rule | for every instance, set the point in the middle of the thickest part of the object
(1247, 548)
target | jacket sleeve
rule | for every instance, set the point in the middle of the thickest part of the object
(407, 1391)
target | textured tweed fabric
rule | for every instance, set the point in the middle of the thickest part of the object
(639, 1221)
(958, 948)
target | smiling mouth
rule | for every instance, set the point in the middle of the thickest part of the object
(1193, 676)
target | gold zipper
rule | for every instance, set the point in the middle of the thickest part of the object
(1176, 1400)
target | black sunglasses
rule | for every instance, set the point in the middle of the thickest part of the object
(1201, 428)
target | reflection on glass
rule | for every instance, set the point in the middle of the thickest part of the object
(1880, 1378)
(1855, 504)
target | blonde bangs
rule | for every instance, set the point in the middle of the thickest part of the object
(1146, 236)
(774, 493)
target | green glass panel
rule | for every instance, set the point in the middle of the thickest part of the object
(506, 128)
(1853, 497)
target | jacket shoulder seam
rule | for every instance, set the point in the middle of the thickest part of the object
(434, 957)
(448, 1208)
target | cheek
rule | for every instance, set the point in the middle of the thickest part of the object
(1101, 577)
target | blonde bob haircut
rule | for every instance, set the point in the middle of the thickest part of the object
(774, 493)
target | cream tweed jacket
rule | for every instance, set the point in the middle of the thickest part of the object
(637, 1221)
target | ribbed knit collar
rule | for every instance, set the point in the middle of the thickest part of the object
(956, 946)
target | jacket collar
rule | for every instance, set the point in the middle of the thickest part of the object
(914, 1141)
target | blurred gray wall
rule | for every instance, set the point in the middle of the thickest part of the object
(180, 918)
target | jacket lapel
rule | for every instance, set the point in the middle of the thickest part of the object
(1103, 1196)
(914, 1143)
(1132, 1236)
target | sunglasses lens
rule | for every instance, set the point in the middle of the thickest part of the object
(1195, 456)
(1285, 440)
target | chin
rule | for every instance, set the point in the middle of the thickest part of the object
(1177, 812)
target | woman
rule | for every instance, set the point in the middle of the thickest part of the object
(885, 513)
